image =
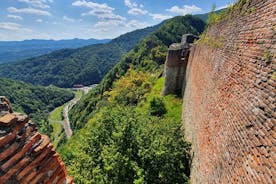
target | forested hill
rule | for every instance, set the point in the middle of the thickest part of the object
(124, 131)
(11, 51)
(149, 54)
(36, 101)
(64, 68)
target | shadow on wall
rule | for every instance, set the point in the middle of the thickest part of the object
(176, 64)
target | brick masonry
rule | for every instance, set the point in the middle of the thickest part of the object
(176, 64)
(26, 156)
(229, 100)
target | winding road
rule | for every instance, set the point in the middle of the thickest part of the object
(66, 121)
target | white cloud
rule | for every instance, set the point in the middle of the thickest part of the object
(130, 4)
(39, 20)
(111, 17)
(101, 11)
(137, 11)
(157, 16)
(15, 17)
(105, 24)
(92, 5)
(126, 24)
(136, 24)
(37, 3)
(12, 26)
(68, 19)
(222, 7)
(186, 9)
(29, 11)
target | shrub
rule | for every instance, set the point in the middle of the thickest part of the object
(157, 107)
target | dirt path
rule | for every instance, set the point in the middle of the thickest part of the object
(66, 121)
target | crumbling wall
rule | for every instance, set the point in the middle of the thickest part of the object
(26, 156)
(229, 99)
(175, 65)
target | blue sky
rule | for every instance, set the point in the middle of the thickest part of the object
(66, 19)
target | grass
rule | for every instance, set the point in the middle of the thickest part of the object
(240, 7)
(78, 93)
(173, 104)
(55, 119)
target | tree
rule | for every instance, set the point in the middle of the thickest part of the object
(157, 107)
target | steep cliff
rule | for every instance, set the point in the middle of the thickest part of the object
(26, 156)
(229, 98)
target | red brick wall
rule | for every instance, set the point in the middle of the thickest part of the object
(229, 100)
(26, 156)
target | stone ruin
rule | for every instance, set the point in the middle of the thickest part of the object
(5, 106)
(26, 156)
(175, 66)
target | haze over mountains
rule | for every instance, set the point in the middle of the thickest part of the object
(11, 51)
(189, 100)
(64, 68)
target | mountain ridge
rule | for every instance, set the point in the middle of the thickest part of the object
(125, 125)
(12, 51)
(64, 68)
(36, 101)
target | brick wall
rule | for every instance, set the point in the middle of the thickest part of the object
(176, 64)
(229, 100)
(26, 156)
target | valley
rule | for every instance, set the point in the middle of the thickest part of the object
(176, 97)
(59, 117)
(66, 67)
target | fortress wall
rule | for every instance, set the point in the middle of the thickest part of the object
(26, 156)
(229, 100)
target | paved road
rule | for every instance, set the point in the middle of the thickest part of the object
(67, 108)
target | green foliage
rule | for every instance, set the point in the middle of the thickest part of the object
(274, 75)
(125, 132)
(157, 107)
(267, 56)
(152, 50)
(123, 146)
(129, 89)
(205, 16)
(240, 7)
(36, 101)
(11, 51)
(213, 17)
(66, 67)
(147, 56)
(158, 54)
(46, 127)
(210, 41)
(55, 119)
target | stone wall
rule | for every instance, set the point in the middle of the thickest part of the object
(26, 156)
(229, 101)
(175, 65)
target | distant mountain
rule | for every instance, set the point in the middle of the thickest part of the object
(204, 16)
(148, 55)
(11, 51)
(64, 68)
(125, 125)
